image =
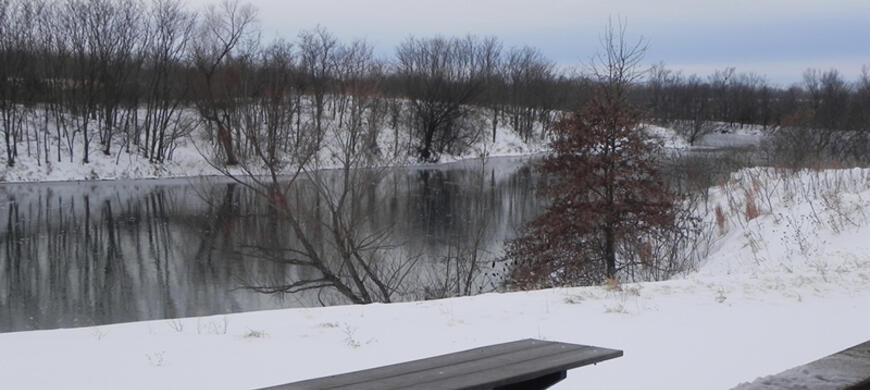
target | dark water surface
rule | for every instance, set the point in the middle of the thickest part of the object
(88, 253)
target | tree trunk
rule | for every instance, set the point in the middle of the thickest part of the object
(226, 140)
(610, 252)
(494, 122)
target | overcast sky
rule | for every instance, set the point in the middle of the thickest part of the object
(775, 38)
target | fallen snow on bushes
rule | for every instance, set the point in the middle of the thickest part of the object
(787, 281)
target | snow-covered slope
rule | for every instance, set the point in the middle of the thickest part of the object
(191, 155)
(775, 222)
(785, 287)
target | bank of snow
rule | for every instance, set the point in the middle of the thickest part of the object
(786, 283)
(190, 157)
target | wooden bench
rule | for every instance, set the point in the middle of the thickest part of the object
(525, 364)
(848, 369)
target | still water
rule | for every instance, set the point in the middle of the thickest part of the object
(89, 253)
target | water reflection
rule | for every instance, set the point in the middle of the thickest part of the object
(79, 254)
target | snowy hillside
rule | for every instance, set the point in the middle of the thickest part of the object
(810, 223)
(190, 156)
(787, 281)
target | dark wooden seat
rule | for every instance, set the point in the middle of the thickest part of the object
(524, 364)
(848, 369)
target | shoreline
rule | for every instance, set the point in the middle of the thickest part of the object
(416, 165)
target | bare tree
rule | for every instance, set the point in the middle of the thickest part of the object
(617, 67)
(20, 84)
(265, 114)
(860, 117)
(223, 33)
(170, 30)
(60, 81)
(10, 83)
(317, 52)
(661, 84)
(440, 77)
(861, 102)
(720, 81)
(745, 91)
(812, 133)
(493, 75)
(528, 75)
(81, 21)
(828, 94)
(330, 245)
(117, 37)
(696, 117)
(361, 107)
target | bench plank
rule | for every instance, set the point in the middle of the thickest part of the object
(524, 371)
(336, 381)
(434, 377)
(847, 369)
(483, 368)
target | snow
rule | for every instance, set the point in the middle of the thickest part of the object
(728, 135)
(668, 137)
(786, 287)
(810, 222)
(190, 157)
(722, 135)
(675, 335)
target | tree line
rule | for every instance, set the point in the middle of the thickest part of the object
(78, 76)
(822, 100)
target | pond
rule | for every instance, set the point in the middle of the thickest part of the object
(89, 253)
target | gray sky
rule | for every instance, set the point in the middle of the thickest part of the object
(775, 38)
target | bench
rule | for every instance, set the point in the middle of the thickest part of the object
(848, 369)
(525, 364)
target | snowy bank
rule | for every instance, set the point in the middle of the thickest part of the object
(190, 158)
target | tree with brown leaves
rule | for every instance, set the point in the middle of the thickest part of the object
(603, 183)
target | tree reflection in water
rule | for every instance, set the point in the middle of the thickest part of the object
(80, 254)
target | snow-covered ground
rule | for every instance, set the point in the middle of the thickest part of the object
(787, 281)
(668, 137)
(190, 157)
(721, 135)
